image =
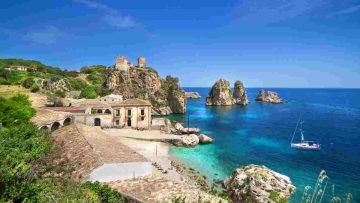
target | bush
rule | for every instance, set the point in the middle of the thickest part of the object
(34, 88)
(15, 110)
(77, 84)
(88, 93)
(60, 93)
(28, 82)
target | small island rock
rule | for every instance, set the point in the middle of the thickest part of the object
(240, 96)
(204, 139)
(258, 184)
(270, 97)
(192, 95)
(220, 94)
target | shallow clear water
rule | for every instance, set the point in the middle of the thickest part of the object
(261, 133)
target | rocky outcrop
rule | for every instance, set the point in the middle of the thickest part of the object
(270, 97)
(204, 139)
(220, 94)
(166, 96)
(190, 140)
(240, 96)
(192, 95)
(181, 130)
(255, 183)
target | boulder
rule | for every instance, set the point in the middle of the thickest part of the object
(190, 140)
(255, 183)
(179, 127)
(190, 130)
(204, 139)
(269, 97)
(220, 94)
(240, 96)
(192, 95)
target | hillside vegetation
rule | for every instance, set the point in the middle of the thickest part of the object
(54, 81)
(24, 166)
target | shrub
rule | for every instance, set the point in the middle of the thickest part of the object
(60, 93)
(34, 88)
(28, 82)
(14, 110)
(88, 93)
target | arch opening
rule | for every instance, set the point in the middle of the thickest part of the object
(67, 121)
(55, 126)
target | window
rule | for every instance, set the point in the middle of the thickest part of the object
(117, 112)
(117, 122)
(142, 118)
(142, 112)
(129, 112)
(99, 111)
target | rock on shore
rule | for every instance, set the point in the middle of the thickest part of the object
(190, 140)
(220, 94)
(204, 139)
(240, 96)
(192, 95)
(270, 97)
(258, 184)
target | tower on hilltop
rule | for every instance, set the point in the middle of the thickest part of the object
(141, 62)
(121, 63)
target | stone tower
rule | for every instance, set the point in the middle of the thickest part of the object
(121, 63)
(141, 62)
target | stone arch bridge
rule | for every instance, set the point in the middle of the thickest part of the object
(49, 120)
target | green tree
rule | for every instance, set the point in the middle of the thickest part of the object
(88, 93)
(14, 110)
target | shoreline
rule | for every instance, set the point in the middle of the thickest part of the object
(159, 152)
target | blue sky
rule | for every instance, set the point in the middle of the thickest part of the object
(278, 43)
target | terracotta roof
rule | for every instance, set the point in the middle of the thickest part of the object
(44, 116)
(134, 102)
(85, 148)
(67, 108)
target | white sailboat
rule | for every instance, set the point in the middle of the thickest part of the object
(307, 145)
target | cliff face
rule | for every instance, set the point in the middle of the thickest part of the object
(220, 94)
(240, 96)
(255, 183)
(166, 96)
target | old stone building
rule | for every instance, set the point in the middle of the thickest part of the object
(141, 62)
(121, 63)
(131, 113)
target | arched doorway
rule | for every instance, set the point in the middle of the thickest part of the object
(67, 121)
(44, 128)
(55, 126)
(97, 122)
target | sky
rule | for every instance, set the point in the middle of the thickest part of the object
(278, 43)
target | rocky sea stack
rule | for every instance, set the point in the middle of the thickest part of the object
(240, 96)
(270, 97)
(220, 94)
(255, 183)
(142, 82)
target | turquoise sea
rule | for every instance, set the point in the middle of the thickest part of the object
(261, 133)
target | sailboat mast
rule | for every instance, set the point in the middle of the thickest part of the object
(295, 129)
(302, 132)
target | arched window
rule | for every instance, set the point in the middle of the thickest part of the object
(99, 111)
(107, 111)
(67, 121)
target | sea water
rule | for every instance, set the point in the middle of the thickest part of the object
(260, 133)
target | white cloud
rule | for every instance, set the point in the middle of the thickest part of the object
(110, 15)
(47, 36)
(349, 10)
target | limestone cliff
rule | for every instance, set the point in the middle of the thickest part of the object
(269, 97)
(220, 94)
(166, 96)
(255, 183)
(240, 96)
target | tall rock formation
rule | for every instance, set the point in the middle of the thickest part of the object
(166, 96)
(220, 94)
(240, 96)
(255, 183)
(269, 97)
